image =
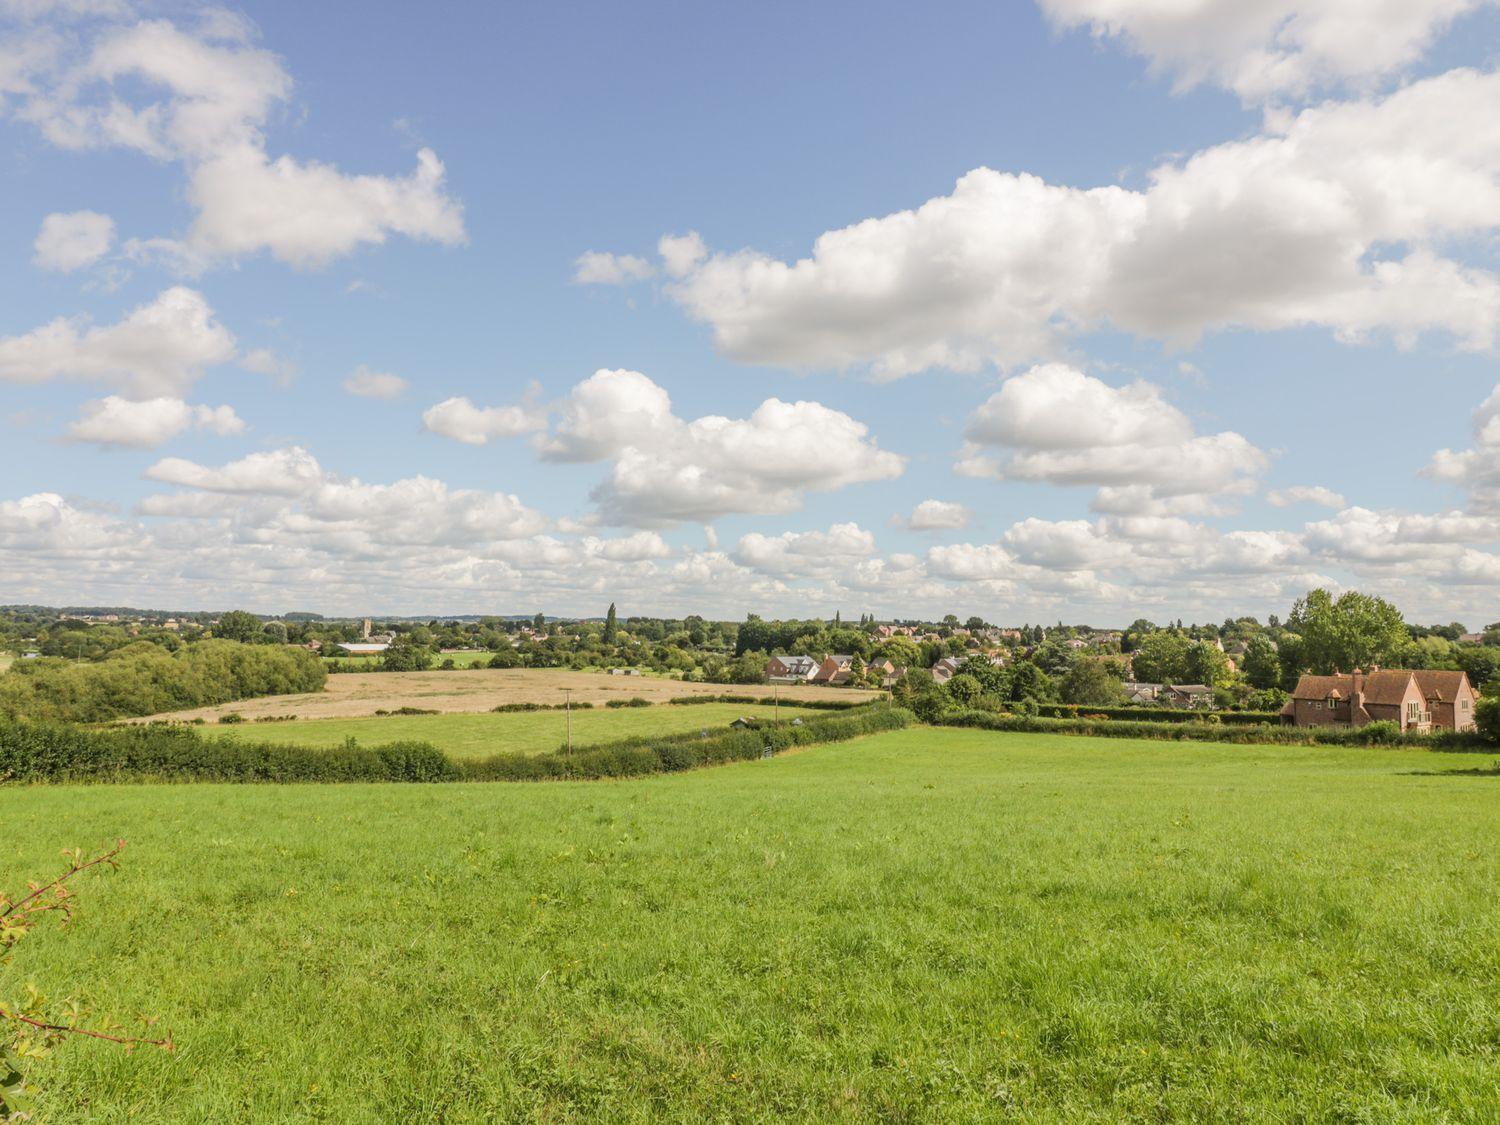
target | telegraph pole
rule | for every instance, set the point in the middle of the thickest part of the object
(568, 708)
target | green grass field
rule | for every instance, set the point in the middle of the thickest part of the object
(529, 732)
(922, 926)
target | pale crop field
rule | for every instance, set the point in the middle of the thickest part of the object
(920, 926)
(353, 694)
(525, 732)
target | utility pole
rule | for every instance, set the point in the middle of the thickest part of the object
(568, 708)
(776, 705)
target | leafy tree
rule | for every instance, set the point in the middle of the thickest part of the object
(1026, 681)
(1162, 658)
(1262, 665)
(1206, 664)
(237, 625)
(974, 624)
(1054, 657)
(611, 625)
(964, 689)
(1090, 682)
(1482, 663)
(1353, 631)
(539, 622)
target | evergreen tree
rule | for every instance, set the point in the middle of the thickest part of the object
(611, 625)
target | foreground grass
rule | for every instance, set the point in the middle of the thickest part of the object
(525, 732)
(930, 925)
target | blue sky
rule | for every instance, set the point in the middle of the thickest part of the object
(1310, 304)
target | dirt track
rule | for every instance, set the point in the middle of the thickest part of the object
(350, 695)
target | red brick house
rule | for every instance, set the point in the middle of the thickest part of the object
(790, 669)
(1418, 701)
(833, 670)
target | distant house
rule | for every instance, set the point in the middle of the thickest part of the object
(1471, 638)
(790, 669)
(835, 669)
(946, 668)
(1421, 700)
(1187, 695)
(1142, 693)
(623, 672)
(364, 648)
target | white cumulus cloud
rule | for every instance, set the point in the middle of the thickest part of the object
(158, 349)
(1337, 217)
(364, 383)
(148, 423)
(461, 420)
(73, 240)
(1262, 48)
(665, 469)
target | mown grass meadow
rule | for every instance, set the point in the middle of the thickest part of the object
(526, 732)
(931, 925)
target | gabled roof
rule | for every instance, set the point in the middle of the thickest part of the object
(1386, 687)
(1440, 686)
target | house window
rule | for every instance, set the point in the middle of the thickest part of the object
(1413, 711)
(1463, 704)
(1317, 705)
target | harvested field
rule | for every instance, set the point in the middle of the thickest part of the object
(356, 694)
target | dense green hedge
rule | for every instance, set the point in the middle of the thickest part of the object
(31, 752)
(687, 750)
(40, 752)
(144, 679)
(771, 700)
(1374, 735)
(1156, 714)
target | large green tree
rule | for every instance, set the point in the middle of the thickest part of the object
(611, 625)
(1353, 630)
(1162, 658)
(1091, 682)
(1262, 664)
(237, 625)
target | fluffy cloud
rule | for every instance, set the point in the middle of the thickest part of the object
(666, 469)
(202, 98)
(364, 383)
(460, 420)
(148, 423)
(1476, 469)
(286, 495)
(596, 267)
(1330, 217)
(158, 349)
(73, 240)
(808, 553)
(1304, 494)
(1260, 48)
(1055, 424)
(936, 515)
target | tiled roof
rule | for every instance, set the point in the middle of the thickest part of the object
(1440, 686)
(1387, 687)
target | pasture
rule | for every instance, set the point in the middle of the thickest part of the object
(353, 694)
(527, 732)
(929, 925)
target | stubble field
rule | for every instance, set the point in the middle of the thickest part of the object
(354, 694)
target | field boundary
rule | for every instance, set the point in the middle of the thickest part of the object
(41, 753)
(1263, 734)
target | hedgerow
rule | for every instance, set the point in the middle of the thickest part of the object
(769, 701)
(1375, 734)
(57, 752)
(668, 753)
(34, 752)
(1155, 714)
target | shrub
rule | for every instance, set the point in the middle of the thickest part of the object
(231, 717)
(142, 679)
(635, 702)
